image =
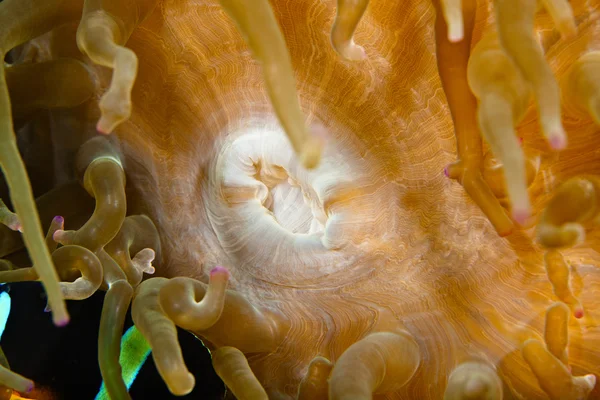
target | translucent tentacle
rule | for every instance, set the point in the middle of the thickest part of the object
(104, 179)
(558, 275)
(552, 374)
(314, 385)
(23, 201)
(514, 19)
(573, 207)
(114, 310)
(452, 10)
(562, 14)
(22, 20)
(263, 329)
(474, 380)
(138, 236)
(104, 29)
(15, 381)
(503, 95)
(161, 334)
(452, 59)
(380, 363)
(494, 176)
(68, 260)
(232, 367)
(58, 223)
(52, 84)
(191, 304)
(556, 332)
(76, 258)
(9, 218)
(257, 23)
(349, 13)
(583, 84)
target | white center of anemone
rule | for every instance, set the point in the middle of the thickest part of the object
(291, 208)
(282, 223)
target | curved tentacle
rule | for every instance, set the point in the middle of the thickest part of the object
(104, 29)
(553, 374)
(51, 84)
(9, 218)
(573, 207)
(68, 260)
(474, 380)
(558, 275)
(104, 179)
(349, 13)
(232, 367)
(179, 300)
(138, 236)
(315, 385)
(381, 362)
(582, 87)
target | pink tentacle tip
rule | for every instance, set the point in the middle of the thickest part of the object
(219, 271)
(30, 387)
(456, 35)
(520, 139)
(58, 235)
(558, 141)
(446, 172)
(520, 216)
(578, 313)
(101, 129)
(62, 322)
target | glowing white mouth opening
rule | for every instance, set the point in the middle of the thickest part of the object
(282, 223)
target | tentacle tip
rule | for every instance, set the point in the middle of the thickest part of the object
(446, 172)
(58, 220)
(455, 33)
(143, 260)
(558, 141)
(58, 236)
(520, 215)
(591, 380)
(578, 313)
(219, 271)
(351, 51)
(103, 127)
(30, 387)
(181, 384)
(506, 232)
(62, 321)
(567, 28)
(475, 388)
(310, 155)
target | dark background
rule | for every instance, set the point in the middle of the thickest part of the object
(63, 362)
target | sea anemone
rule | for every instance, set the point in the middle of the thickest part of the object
(307, 184)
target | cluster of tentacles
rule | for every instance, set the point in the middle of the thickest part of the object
(487, 90)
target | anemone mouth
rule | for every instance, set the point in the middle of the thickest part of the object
(284, 224)
(291, 208)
